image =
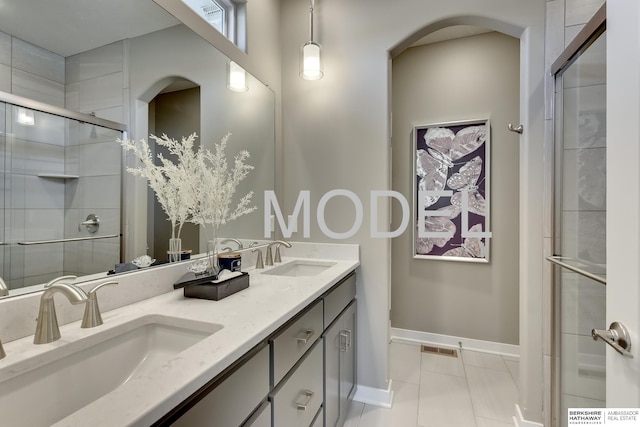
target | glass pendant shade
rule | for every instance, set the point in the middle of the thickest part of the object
(26, 117)
(310, 65)
(237, 78)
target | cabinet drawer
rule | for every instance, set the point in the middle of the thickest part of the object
(297, 399)
(233, 400)
(292, 342)
(337, 299)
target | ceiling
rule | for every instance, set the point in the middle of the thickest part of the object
(67, 27)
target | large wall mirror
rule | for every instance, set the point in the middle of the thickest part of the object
(125, 62)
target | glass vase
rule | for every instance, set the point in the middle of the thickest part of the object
(212, 255)
(175, 249)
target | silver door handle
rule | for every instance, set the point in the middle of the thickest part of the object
(307, 395)
(617, 336)
(305, 336)
(344, 344)
(348, 332)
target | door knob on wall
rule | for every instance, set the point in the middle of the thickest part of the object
(617, 336)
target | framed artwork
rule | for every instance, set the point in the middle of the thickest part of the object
(451, 191)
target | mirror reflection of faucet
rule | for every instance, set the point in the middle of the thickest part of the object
(230, 239)
(4, 290)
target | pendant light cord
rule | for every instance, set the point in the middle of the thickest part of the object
(311, 5)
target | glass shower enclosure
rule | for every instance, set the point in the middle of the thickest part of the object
(61, 200)
(580, 224)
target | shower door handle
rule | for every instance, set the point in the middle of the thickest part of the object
(617, 336)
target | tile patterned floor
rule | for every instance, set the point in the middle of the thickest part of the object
(473, 390)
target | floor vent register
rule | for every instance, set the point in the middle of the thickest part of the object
(439, 350)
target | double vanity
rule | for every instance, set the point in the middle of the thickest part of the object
(279, 353)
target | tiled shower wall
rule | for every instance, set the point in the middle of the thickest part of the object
(582, 374)
(36, 205)
(96, 83)
(55, 145)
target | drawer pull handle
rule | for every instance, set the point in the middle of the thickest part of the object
(344, 341)
(305, 336)
(307, 396)
(348, 332)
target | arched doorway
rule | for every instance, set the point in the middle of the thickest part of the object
(174, 111)
(460, 74)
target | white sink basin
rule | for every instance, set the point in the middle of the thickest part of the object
(57, 388)
(300, 268)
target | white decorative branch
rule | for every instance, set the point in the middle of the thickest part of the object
(198, 187)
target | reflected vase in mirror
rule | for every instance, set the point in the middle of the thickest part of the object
(212, 256)
(175, 249)
(175, 252)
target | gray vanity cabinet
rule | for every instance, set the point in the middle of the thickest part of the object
(298, 397)
(348, 360)
(339, 341)
(297, 377)
(234, 397)
(293, 341)
(302, 375)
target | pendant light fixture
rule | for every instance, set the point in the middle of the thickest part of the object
(237, 78)
(310, 65)
(25, 116)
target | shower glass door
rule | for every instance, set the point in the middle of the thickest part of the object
(579, 229)
(57, 173)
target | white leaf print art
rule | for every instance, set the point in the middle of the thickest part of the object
(444, 147)
(467, 179)
(472, 247)
(432, 173)
(435, 224)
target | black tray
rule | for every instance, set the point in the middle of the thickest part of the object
(204, 287)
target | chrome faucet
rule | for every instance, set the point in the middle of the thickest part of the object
(4, 289)
(47, 329)
(236, 241)
(92, 316)
(270, 260)
(259, 261)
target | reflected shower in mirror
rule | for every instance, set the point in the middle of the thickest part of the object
(117, 61)
(62, 192)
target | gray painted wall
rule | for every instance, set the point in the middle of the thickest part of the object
(463, 79)
(336, 134)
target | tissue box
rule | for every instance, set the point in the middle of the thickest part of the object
(207, 288)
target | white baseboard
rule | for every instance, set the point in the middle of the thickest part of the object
(407, 335)
(519, 420)
(374, 396)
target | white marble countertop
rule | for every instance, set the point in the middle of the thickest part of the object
(247, 317)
